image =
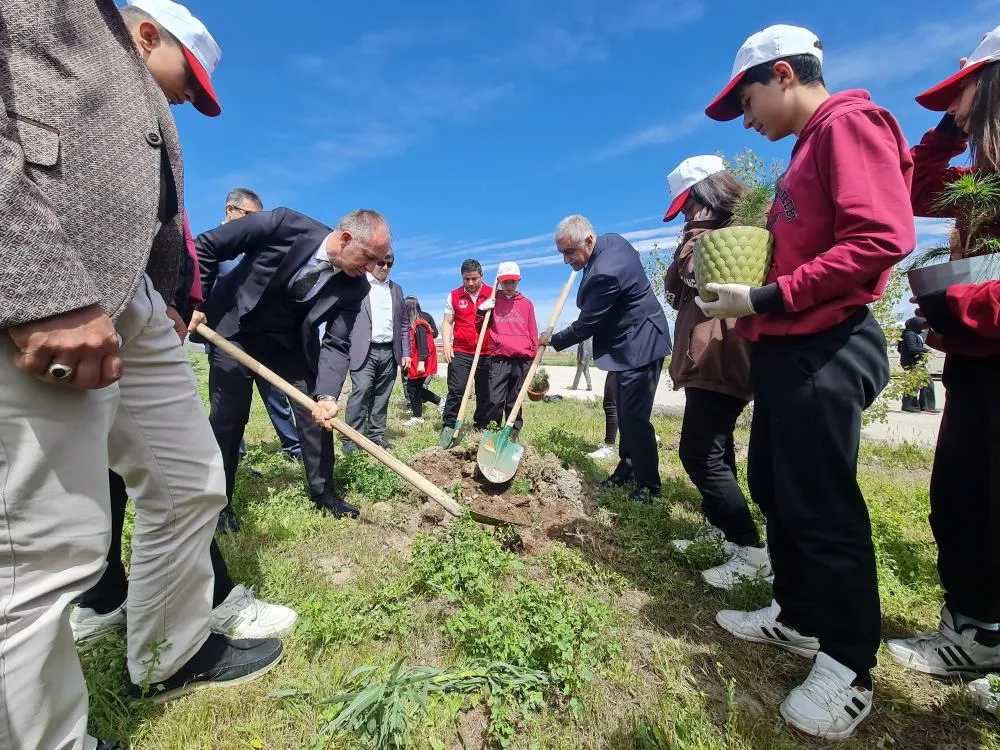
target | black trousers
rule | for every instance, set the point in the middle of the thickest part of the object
(610, 408)
(417, 393)
(708, 452)
(965, 488)
(810, 392)
(506, 376)
(635, 391)
(458, 375)
(230, 386)
(110, 592)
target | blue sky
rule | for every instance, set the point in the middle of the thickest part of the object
(475, 127)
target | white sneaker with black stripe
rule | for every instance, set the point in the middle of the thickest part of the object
(986, 692)
(762, 626)
(946, 651)
(827, 705)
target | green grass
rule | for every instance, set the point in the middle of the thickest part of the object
(618, 621)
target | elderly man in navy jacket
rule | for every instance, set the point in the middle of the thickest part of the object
(619, 310)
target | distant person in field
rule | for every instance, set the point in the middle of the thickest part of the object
(584, 353)
(912, 350)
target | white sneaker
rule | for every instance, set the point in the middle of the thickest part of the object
(945, 651)
(707, 533)
(90, 627)
(986, 692)
(413, 421)
(762, 626)
(243, 615)
(440, 407)
(826, 705)
(657, 439)
(747, 563)
(605, 451)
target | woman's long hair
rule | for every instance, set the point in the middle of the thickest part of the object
(984, 119)
(719, 193)
(412, 307)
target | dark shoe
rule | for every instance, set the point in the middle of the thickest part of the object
(909, 410)
(644, 495)
(221, 662)
(931, 411)
(109, 745)
(612, 482)
(381, 442)
(227, 521)
(336, 506)
(348, 447)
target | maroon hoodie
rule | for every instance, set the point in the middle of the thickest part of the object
(841, 217)
(513, 330)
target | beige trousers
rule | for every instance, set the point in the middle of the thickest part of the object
(56, 445)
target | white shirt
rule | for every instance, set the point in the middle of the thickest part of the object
(380, 298)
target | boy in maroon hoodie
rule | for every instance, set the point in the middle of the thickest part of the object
(512, 343)
(840, 220)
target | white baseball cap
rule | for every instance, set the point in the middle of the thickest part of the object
(508, 271)
(773, 43)
(200, 49)
(940, 97)
(686, 175)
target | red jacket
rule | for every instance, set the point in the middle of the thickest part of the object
(975, 306)
(841, 218)
(513, 329)
(466, 325)
(421, 337)
(194, 298)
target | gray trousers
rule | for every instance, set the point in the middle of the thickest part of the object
(371, 386)
(582, 368)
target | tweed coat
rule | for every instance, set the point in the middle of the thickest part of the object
(84, 135)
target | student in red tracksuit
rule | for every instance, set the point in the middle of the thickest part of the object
(841, 219)
(459, 334)
(965, 324)
(423, 360)
(512, 342)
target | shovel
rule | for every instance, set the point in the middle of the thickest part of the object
(498, 457)
(449, 435)
(416, 480)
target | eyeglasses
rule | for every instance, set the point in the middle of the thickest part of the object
(384, 264)
(245, 211)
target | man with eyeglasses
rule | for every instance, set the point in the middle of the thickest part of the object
(296, 277)
(379, 346)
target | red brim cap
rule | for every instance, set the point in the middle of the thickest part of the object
(940, 97)
(205, 100)
(721, 108)
(509, 277)
(676, 206)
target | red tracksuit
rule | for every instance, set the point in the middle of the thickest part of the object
(513, 343)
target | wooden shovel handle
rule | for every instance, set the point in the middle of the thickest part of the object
(416, 480)
(475, 358)
(516, 408)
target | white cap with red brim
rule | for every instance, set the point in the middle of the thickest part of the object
(508, 271)
(200, 49)
(689, 173)
(773, 43)
(940, 97)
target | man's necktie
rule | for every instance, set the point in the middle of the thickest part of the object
(301, 287)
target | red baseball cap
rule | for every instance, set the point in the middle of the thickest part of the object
(939, 98)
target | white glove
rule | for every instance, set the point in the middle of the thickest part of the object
(488, 305)
(733, 302)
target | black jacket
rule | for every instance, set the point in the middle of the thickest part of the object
(276, 244)
(911, 346)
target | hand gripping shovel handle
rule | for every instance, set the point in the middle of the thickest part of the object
(516, 408)
(418, 481)
(475, 358)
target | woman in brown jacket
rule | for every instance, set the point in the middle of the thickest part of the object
(710, 362)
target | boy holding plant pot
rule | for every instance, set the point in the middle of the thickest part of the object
(841, 219)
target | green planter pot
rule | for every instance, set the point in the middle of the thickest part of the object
(732, 255)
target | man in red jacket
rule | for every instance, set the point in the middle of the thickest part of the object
(513, 343)
(460, 333)
(818, 359)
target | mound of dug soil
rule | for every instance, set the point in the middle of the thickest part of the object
(541, 495)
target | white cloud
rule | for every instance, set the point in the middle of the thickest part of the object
(654, 135)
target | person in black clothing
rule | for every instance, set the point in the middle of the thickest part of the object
(912, 350)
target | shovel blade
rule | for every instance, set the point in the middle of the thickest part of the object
(498, 457)
(449, 435)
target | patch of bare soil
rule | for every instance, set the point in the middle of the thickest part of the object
(541, 497)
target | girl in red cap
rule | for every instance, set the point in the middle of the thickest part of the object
(965, 324)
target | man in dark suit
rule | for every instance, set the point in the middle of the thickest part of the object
(380, 343)
(631, 339)
(296, 275)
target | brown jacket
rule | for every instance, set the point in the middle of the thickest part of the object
(708, 353)
(84, 130)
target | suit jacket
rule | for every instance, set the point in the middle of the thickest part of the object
(361, 335)
(84, 130)
(618, 309)
(276, 245)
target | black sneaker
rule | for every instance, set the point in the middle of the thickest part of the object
(221, 662)
(381, 442)
(227, 521)
(611, 482)
(349, 447)
(335, 505)
(644, 495)
(109, 745)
